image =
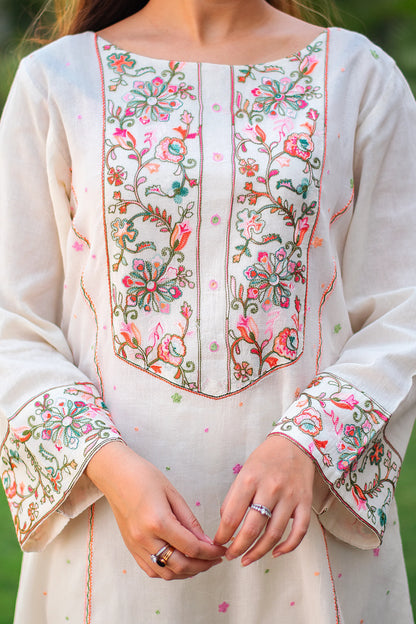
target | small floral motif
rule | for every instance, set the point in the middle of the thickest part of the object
(148, 285)
(172, 350)
(269, 277)
(171, 149)
(286, 343)
(275, 97)
(223, 607)
(299, 145)
(154, 100)
(249, 222)
(249, 167)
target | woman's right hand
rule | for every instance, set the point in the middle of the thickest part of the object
(151, 513)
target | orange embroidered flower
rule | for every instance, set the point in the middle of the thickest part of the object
(179, 237)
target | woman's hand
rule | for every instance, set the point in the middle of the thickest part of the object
(151, 513)
(279, 476)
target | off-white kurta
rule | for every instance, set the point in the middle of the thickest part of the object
(215, 252)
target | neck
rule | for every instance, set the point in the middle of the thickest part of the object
(204, 22)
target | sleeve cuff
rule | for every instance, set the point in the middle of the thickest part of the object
(343, 430)
(49, 442)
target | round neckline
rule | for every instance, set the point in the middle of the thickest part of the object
(150, 59)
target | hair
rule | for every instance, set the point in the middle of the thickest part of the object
(70, 17)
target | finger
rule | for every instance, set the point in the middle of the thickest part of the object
(301, 519)
(175, 534)
(155, 571)
(272, 535)
(181, 565)
(253, 526)
(240, 496)
(185, 516)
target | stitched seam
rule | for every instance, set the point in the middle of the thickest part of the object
(340, 212)
(324, 298)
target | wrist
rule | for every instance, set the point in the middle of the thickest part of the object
(105, 462)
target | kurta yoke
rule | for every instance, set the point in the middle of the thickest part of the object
(194, 256)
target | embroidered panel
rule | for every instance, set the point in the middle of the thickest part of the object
(343, 429)
(211, 194)
(50, 441)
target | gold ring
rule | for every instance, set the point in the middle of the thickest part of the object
(163, 558)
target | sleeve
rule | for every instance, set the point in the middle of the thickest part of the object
(52, 418)
(355, 418)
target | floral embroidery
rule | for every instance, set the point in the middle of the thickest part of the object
(344, 431)
(62, 428)
(154, 172)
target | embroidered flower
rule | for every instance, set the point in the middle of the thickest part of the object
(123, 232)
(248, 329)
(124, 138)
(64, 424)
(179, 237)
(116, 175)
(171, 349)
(249, 222)
(276, 97)
(376, 453)
(243, 371)
(302, 226)
(299, 145)
(186, 310)
(308, 64)
(270, 276)
(249, 167)
(154, 100)
(120, 62)
(309, 421)
(171, 149)
(131, 334)
(222, 608)
(179, 192)
(149, 285)
(286, 343)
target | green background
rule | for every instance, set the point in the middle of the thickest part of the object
(389, 23)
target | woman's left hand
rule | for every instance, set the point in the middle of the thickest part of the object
(279, 476)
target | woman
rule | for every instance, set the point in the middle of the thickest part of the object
(207, 243)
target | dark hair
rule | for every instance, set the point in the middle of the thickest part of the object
(75, 16)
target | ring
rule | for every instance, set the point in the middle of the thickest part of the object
(265, 511)
(162, 555)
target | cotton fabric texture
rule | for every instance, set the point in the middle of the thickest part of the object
(194, 256)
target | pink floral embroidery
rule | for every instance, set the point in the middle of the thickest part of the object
(299, 145)
(222, 608)
(171, 350)
(172, 150)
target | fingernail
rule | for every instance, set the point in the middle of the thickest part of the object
(276, 554)
(207, 539)
(246, 562)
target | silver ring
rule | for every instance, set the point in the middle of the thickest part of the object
(155, 558)
(162, 555)
(265, 511)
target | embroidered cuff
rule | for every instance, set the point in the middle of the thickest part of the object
(344, 431)
(49, 442)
